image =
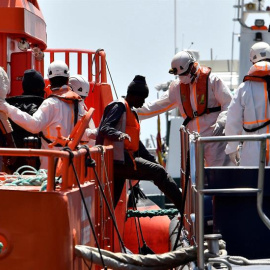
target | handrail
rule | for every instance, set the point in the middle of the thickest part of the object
(52, 154)
(98, 57)
(199, 210)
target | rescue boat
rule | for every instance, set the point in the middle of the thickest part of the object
(64, 219)
(46, 214)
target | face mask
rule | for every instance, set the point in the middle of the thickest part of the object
(185, 79)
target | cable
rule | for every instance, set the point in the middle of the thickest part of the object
(135, 220)
(144, 249)
(183, 202)
(111, 79)
(91, 163)
(71, 155)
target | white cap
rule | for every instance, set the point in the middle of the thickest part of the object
(181, 62)
(259, 51)
(79, 85)
(58, 68)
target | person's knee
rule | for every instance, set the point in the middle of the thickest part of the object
(161, 176)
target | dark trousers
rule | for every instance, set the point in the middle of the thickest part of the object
(146, 170)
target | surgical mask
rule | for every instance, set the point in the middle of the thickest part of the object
(185, 79)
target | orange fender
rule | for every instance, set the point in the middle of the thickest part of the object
(155, 230)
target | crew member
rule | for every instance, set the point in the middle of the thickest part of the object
(249, 112)
(120, 125)
(61, 108)
(80, 85)
(202, 99)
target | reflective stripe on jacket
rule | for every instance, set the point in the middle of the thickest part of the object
(249, 108)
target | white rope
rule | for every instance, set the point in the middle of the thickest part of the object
(123, 261)
(238, 260)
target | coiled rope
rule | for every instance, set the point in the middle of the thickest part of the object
(152, 213)
(28, 177)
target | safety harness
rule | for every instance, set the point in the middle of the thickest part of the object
(202, 97)
(70, 97)
(266, 79)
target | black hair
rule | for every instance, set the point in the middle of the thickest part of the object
(58, 81)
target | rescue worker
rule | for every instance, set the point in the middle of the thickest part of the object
(202, 99)
(249, 111)
(120, 125)
(6, 135)
(80, 85)
(33, 95)
(61, 108)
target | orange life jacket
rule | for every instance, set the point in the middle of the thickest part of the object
(260, 76)
(66, 95)
(202, 96)
(132, 129)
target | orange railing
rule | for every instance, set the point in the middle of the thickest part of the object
(54, 220)
(100, 93)
(96, 57)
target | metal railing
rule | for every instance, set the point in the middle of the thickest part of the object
(197, 159)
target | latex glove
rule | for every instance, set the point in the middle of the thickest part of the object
(124, 136)
(218, 129)
(235, 157)
(3, 106)
(91, 133)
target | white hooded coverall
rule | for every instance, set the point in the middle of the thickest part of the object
(218, 95)
(51, 113)
(249, 108)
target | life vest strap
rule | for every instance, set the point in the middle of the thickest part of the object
(257, 128)
(207, 111)
(48, 141)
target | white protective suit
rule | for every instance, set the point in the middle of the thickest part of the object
(91, 132)
(51, 113)
(218, 95)
(249, 108)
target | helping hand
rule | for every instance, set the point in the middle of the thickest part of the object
(235, 157)
(124, 136)
(218, 129)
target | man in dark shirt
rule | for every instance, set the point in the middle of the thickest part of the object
(33, 95)
(120, 127)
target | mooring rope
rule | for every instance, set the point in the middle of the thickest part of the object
(152, 213)
(28, 177)
(238, 260)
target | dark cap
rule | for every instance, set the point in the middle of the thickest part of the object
(33, 83)
(138, 87)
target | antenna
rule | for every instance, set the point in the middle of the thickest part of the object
(190, 45)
